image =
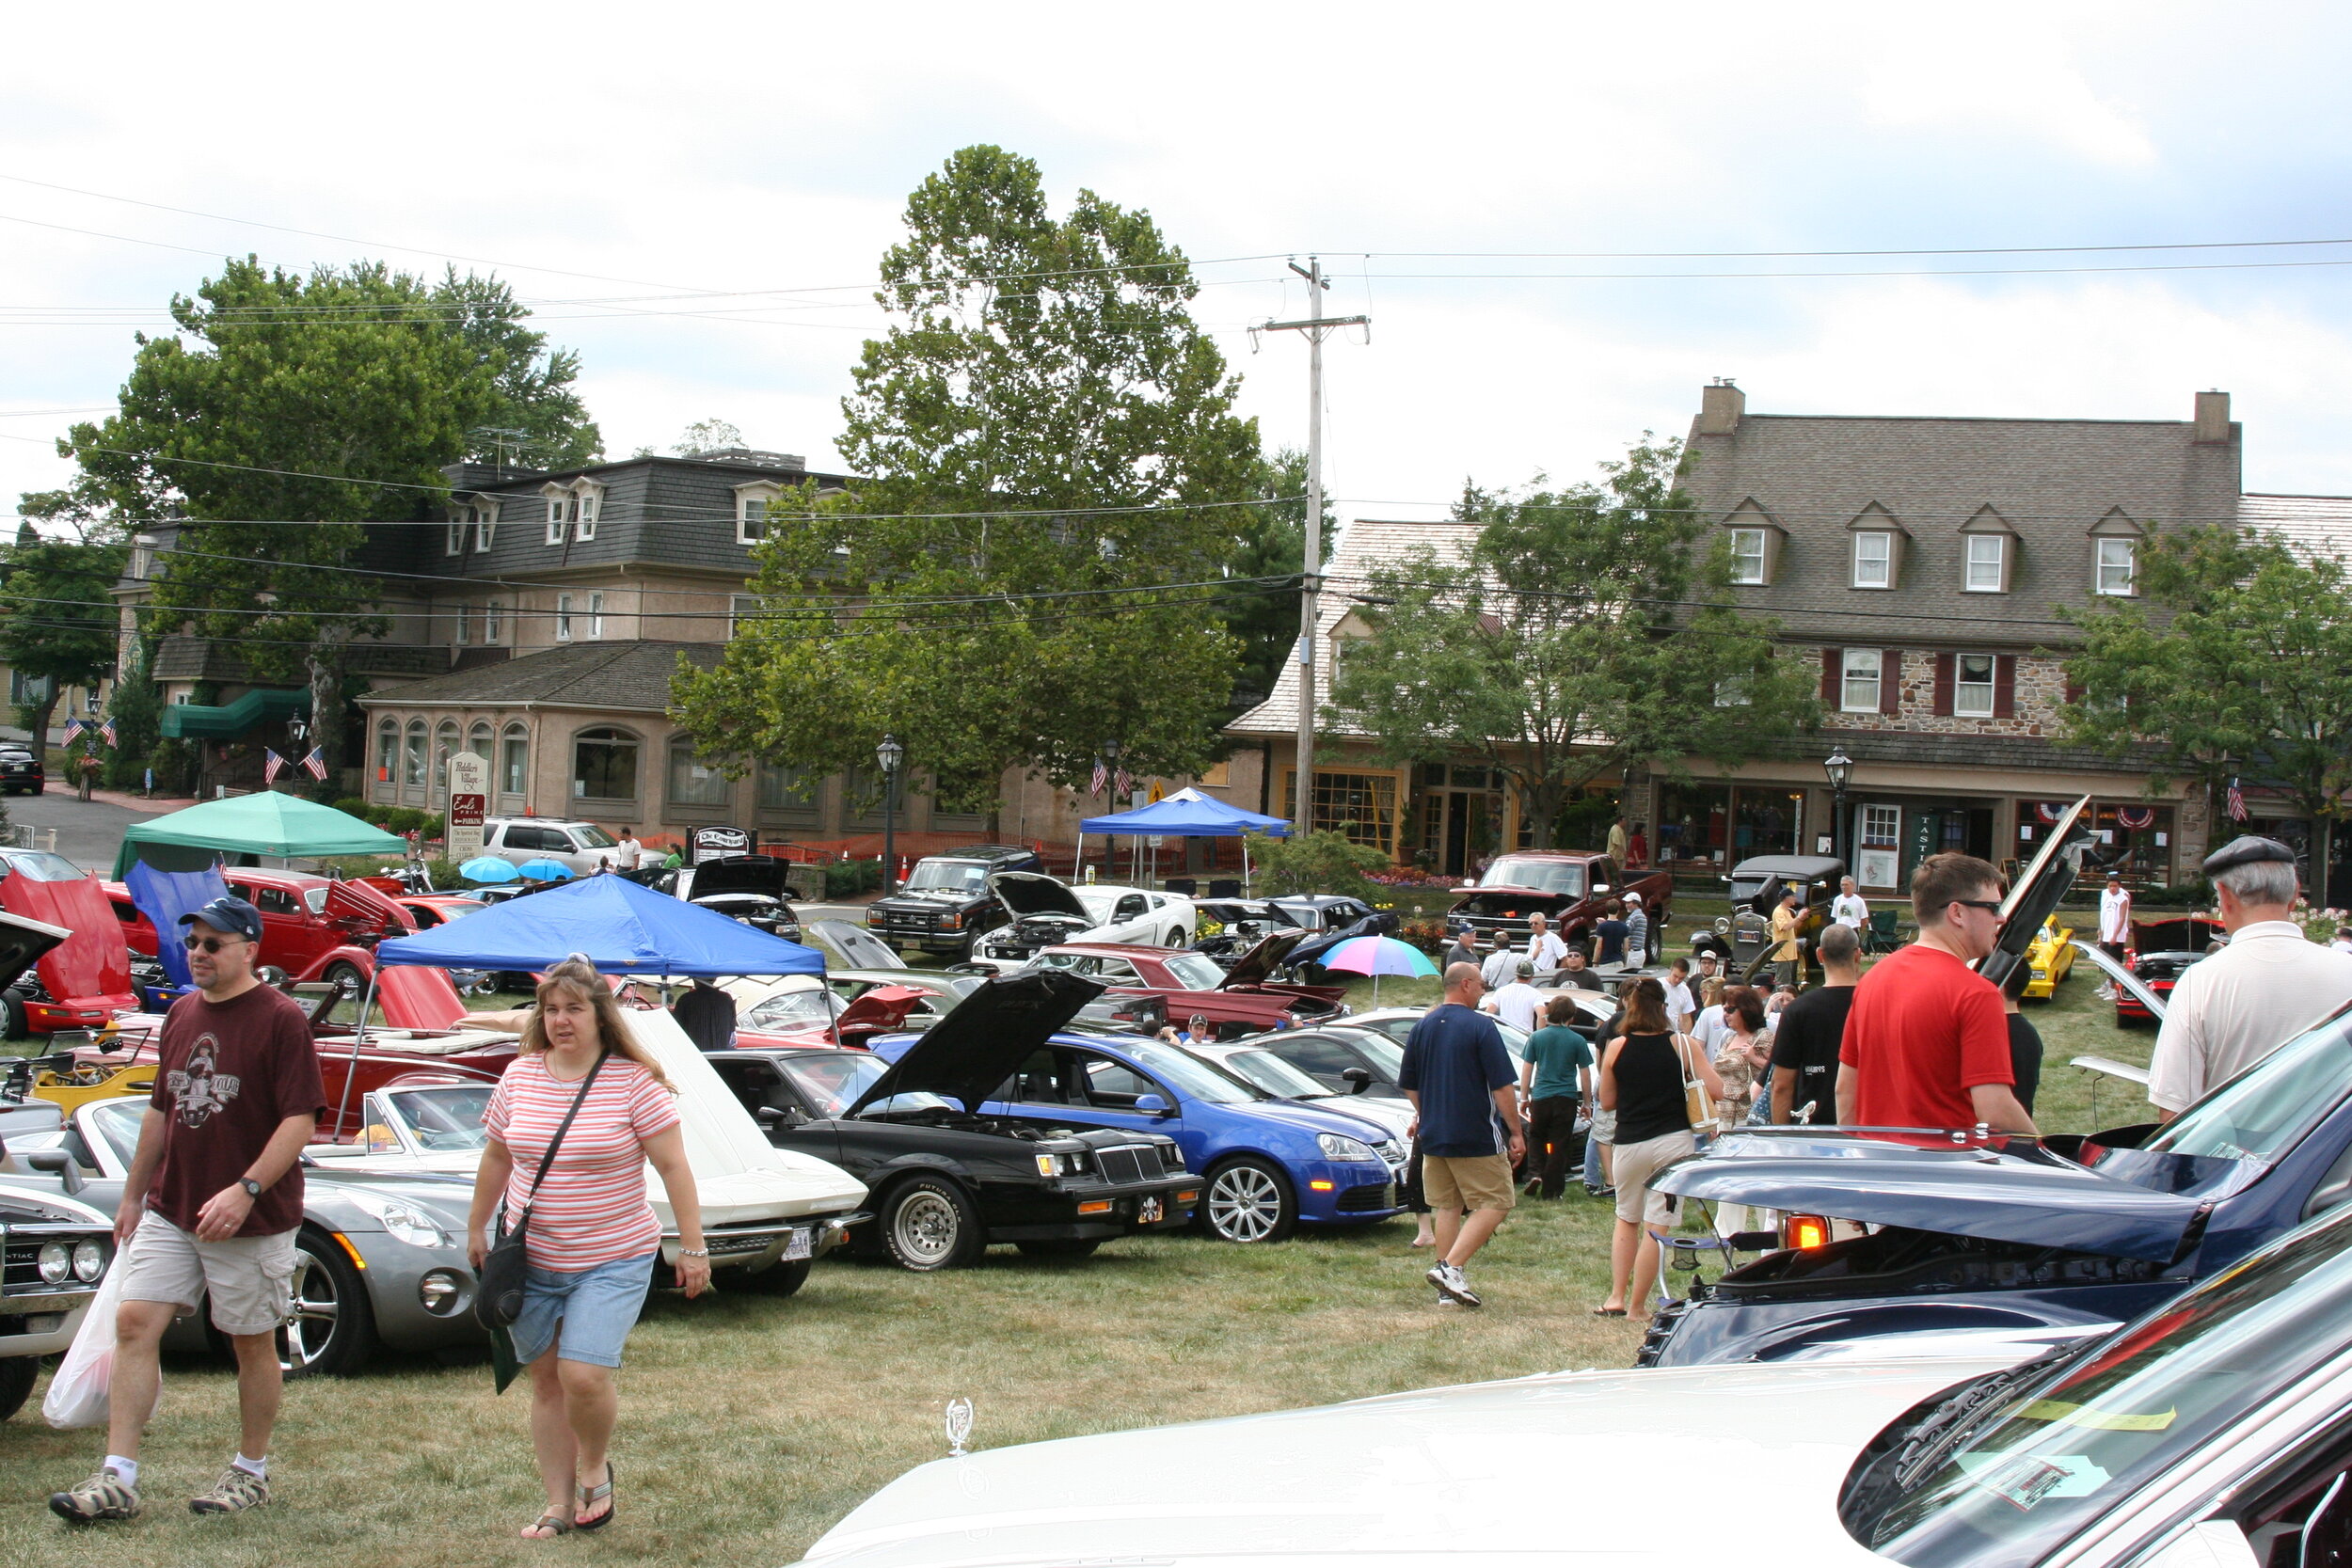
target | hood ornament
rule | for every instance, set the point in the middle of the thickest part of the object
(958, 1426)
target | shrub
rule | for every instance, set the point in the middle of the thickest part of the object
(351, 806)
(1326, 861)
(404, 819)
(846, 879)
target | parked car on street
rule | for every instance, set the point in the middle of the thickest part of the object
(1238, 1000)
(54, 1251)
(577, 845)
(1042, 913)
(2209, 1435)
(22, 771)
(1571, 889)
(80, 981)
(944, 903)
(1742, 938)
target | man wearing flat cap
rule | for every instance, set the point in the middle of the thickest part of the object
(2271, 983)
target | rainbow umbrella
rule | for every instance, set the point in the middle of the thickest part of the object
(1376, 957)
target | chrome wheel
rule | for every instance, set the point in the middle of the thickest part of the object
(931, 1225)
(312, 1315)
(1246, 1203)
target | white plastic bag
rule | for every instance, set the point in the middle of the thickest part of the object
(77, 1394)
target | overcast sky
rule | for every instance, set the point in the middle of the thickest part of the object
(611, 160)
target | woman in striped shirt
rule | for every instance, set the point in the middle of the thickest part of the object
(593, 1239)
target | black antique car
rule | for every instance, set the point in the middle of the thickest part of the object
(749, 888)
(945, 902)
(1745, 937)
(943, 1183)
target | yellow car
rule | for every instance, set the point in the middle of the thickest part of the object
(2051, 957)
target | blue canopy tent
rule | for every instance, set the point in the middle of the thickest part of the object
(1188, 813)
(623, 929)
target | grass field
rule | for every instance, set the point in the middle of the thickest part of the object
(750, 1425)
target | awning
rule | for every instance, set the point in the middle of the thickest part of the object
(1187, 814)
(197, 721)
(622, 928)
(270, 823)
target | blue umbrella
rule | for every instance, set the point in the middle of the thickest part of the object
(488, 868)
(544, 870)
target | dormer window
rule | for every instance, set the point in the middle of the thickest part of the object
(585, 505)
(1988, 564)
(485, 525)
(2117, 568)
(573, 507)
(459, 517)
(1748, 555)
(1874, 559)
(1755, 540)
(559, 516)
(751, 502)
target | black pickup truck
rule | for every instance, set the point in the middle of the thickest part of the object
(945, 901)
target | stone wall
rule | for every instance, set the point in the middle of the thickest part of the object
(2040, 693)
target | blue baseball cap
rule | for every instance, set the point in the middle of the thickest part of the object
(231, 914)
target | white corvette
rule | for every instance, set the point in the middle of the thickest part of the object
(1044, 911)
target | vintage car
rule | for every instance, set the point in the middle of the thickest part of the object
(1041, 912)
(1743, 939)
(803, 1010)
(1969, 1230)
(749, 888)
(1571, 889)
(1231, 926)
(2207, 1434)
(1268, 1166)
(86, 977)
(944, 1182)
(54, 1251)
(2051, 957)
(316, 928)
(1238, 1000)
(944, 903)
(2161, 952)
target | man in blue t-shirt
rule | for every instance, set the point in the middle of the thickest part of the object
(1459, 1076)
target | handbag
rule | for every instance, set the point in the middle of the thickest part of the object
(1698, 1106)
(498, 1297)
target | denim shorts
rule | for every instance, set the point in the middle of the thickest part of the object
(581, 1314)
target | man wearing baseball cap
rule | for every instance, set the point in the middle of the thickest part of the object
(210, 1206)
(2271, 983)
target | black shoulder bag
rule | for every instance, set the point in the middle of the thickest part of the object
(497, 1299)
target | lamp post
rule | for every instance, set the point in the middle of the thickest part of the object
(1110, 760)
(890, 755)
(1840, 767)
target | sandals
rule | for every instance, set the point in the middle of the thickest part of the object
(1597, 1312)
(592, 1494)
(554, 1524)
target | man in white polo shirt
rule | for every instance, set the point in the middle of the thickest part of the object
(2115, 926)
(2268, 985)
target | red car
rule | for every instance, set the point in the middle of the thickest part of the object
(315, 927)
(85, 979)
(801, 1010)
(2161, 951)
(1240, 999)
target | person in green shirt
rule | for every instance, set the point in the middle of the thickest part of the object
(1556, 1073)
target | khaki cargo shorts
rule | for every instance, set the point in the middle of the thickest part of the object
(250, 1279)
(1473, 1182)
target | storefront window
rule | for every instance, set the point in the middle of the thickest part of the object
(2133, 838)
(444, 748)
(1362, 805)
(412, 763)
(1693, 822)
(515, 760)
(1766, 821)
(387, 750)
(694, 781)
(604, 764)
(786, 788)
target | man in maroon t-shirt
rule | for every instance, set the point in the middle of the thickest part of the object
(1927, 1041)
(210, 1206)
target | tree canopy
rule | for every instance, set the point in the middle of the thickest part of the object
(1585, 631)
(57, 619)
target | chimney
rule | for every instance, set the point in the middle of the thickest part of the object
(2213, 418)
(1721, 405)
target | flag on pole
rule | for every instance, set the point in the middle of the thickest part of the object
(315, 764)
(73, 727)
(2237, 802)
(271, 764)
(1101, 776)
(108, 731)
(1125, 785)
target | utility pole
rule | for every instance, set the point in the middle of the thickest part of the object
(1316, 326)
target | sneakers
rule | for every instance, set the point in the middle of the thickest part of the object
(105, 1496)
(1452, 1286)
(233, 1492)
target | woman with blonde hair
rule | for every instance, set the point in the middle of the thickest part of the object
(593, 1239)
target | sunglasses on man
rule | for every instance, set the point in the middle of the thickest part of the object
(209, 944)
(1991, 906)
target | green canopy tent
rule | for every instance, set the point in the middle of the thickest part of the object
(272, 824)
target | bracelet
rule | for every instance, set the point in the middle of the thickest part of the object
(693, 1252)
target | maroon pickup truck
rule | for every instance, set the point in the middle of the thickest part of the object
(1567, 887)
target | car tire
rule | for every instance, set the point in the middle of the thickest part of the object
(14, 1023)
(332, 1330)
(1175, 937)
(1248, 1200)
(1059, 1247)
(778, 1279)
(17, 1373)
(343, 971)
(927, 1224)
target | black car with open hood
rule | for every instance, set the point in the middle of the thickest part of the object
(749, 887)
(944, 1182)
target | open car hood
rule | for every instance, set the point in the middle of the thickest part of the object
(968, 1054)
(2014, 1190)
(739, 874)
(366, 910)
(2181, 934)
(1027, 892)
(23, 942)
(1253, 967)
(880, 1010)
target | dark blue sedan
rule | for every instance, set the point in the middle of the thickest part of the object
(1270, 1165)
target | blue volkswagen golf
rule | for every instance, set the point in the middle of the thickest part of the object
(1269, 1165)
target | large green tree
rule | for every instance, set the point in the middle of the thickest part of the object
(1049, 441)
(1586, 630)
(289, 413)
(1269, 542)
(2234, 660)
(57, 620)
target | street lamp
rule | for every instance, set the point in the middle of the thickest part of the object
(1840, 767)
(1110, 760)
(890, 755)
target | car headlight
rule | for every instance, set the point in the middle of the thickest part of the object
(56, 1263)
(1338, 1145)
(402, 1222)
(874, 917)
(90, 1262)
(1060, 1164)
(951, 923)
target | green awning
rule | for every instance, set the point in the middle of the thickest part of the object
(266, 824)
(197, 721)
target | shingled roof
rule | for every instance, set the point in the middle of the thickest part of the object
(2313, 525)
(634, 676)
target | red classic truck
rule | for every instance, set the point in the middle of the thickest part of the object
(1570, 888)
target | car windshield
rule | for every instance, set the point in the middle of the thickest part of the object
(1275, 1075)
(947, 876)
(1172, 1065)
(1566, 878)
(832, 1082)
(593, 837)
(38, 866)
(1195, 971)
(812, 1008)
(444, 1118)
(2267, 1109)
(2011, 1483)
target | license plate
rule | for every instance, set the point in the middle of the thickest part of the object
(797, 1246)
(1149, 1210)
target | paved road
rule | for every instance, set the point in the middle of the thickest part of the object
(88, 832)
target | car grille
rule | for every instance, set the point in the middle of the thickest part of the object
(735, 1243)
(19, 1259)
(1368, 1199)
(1136, 1163)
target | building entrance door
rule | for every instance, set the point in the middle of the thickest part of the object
(1463, 829)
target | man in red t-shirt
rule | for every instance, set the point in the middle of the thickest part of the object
(1927, 1041)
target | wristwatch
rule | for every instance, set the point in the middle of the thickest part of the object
(252, 1188)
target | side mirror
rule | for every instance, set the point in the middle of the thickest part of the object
(1152, 1105)
(1600, 887)
(1357, 1078)
(770, 1115)
(59, 1163)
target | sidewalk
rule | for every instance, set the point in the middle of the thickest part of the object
(134, 802)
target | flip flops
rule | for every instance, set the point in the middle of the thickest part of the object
(1597, 1312)
(589, 1496)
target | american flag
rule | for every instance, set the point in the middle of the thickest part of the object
(73, 727)
(1125, 785)
(1101, 777)
(272, 763)
(2237, 802)
(315, 764)
(108, 730)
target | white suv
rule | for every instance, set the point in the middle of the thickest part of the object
(577, 846)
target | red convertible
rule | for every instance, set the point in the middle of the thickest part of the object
(85, 979)
(1236, 1001)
